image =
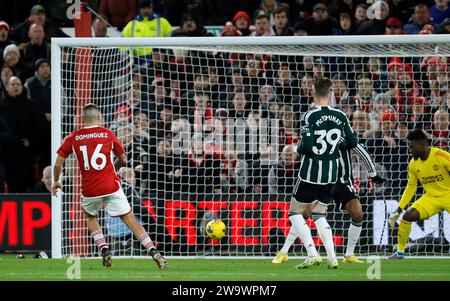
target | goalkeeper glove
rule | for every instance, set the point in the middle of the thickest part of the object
(394, 217)
(377, 179)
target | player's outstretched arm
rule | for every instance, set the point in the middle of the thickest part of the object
(361, 151)
(57, 169)
(121, 161)
(407, 194)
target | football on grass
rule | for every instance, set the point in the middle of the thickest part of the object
(215, 229)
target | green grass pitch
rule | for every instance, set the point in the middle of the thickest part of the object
(29, 268)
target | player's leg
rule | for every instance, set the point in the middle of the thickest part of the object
(281, 256)
(411, 215)
(354, 209)
(319, 211)
(303, 195)
(423, 208)
(117, 206)
(91, 208)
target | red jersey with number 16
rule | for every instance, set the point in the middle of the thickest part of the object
(93, 147)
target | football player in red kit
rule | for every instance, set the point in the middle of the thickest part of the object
(93, 146)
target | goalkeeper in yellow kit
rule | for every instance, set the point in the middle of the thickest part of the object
(431, 167)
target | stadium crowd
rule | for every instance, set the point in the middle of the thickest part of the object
(205, 98)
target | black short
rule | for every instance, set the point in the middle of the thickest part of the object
(305, 192)
(343, 194)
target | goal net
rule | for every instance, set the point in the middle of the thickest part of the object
(207, 124)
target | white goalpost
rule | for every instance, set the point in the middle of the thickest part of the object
(206, 123)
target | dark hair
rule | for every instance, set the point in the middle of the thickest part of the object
(280, 10)
(263, 17)
(417, 134)
(322, 86)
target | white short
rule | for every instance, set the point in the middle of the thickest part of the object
(116, 204)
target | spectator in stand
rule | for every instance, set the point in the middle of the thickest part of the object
(289, 131)
(346, 26)
(37, 16)
(394, 26)
(201, 115)
(33, 50)
(238, 104)
(365, 94)
(361, 125)
(441, 127)
(39, 90)
(305, 100)
(142, 129)
(419, 18)
(267, 7)
(146, 24)
(378, 76)
(99, 28)
(377, 14)
(381, 104)
(400, 158)
(122, 118)
(360, 15)
(11, 58)
(5, 74)
(394, 67)
(265, 92)
(259, 172)
(262, 27)
(347, 106)
(230, 31)
(318, 67)
(444, 27)
(340, 89)
(118, 12)
(181, 133)
(45, 184)
(300, 29)
(242, 22)
(383, 146)
(422, 118)
(439, 87)
(286, 85)
(283, 174)
(440, 11)
(164, 122)
(4, 38)
(190, 27)
(320, 24)
(25, 121)
(281, 25)
(199, 172)
(234, 177)
(161, 168)
(254, 76)
(405, 91)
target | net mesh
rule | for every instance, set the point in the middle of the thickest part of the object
(206, 129)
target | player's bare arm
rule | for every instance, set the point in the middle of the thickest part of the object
(57, 169)
(121, 161)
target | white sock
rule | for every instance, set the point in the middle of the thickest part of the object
(326, 235)
(305, 234)
(146, 241)
(99, 239)
(354, 231)
(293, 234)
